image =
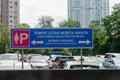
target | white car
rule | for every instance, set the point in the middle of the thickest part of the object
(39, 62)
(11, 61)
(113, 55)
(85, 65)
(111, 63)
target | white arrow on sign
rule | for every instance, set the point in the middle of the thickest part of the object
(84, 42)
(37, 42)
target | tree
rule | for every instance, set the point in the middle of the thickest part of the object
(1, 29)
(69, 24)
(45, 22)
(4, 39)
(111, 24)
(96, 22)
(23, 25)
(100, 40)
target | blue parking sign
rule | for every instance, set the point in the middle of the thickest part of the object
(57, 38)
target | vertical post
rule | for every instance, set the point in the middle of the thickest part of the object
(22, 59)
(81, 57)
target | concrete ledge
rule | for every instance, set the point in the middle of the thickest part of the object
(60, 75)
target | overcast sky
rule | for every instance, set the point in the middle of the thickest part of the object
(32, 10)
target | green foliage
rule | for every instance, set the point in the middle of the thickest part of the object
(70, 51)
(3, 43)
(69, 24)
(31, 51)
(96, 22)
(106, 37)
(23, 25)
(45, 22)
(75, 51)
(111, 24)
(5, 40)
(104, 40)
(99, 39)
(115, 45)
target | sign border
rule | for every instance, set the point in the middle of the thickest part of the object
(47, 47)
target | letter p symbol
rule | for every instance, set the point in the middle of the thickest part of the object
(23, 36)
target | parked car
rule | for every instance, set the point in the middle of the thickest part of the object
(46, 57)
(10, 57)
(28, 57)
(60, 61)
(85, 65)
(38, 62)
(113, 55)
(77, 58)
(111, 63)
(11, 61)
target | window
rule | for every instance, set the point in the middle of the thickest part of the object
(16, 3)
(11, 26)
(11, 2)
(10, 16)
(10, 6)
(11, 21)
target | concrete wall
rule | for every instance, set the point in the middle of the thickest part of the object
(60, 75)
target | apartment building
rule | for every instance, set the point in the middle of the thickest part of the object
(10, 13)
(86, 11)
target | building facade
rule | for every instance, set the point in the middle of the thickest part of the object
(0, 11)
(10, 12)
(86, 11)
